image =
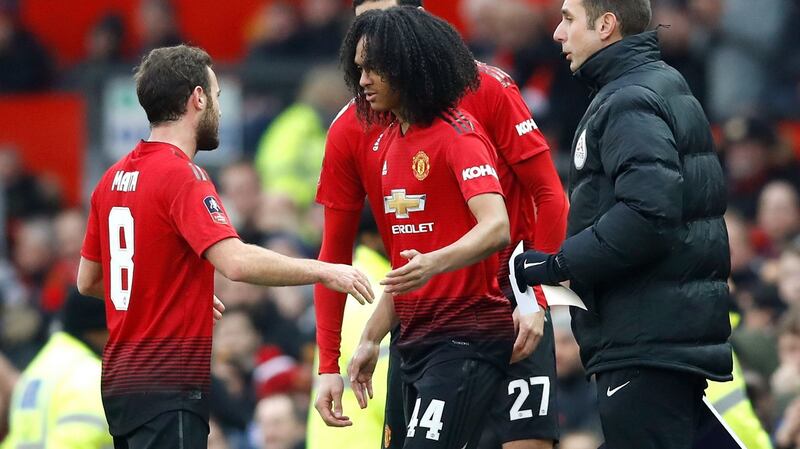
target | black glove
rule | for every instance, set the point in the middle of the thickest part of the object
(536, 268)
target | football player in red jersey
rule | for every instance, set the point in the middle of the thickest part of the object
(156, 232)
(352, 169)
(446, 219)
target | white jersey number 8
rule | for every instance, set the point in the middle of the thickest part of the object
(120, 242)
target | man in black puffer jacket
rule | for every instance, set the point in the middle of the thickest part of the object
(647, 248)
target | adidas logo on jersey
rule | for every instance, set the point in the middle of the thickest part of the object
(377, 143)
(526, 127)
(477, 172)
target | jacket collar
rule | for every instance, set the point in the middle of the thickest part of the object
(618, 58)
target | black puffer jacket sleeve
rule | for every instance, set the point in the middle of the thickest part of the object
(639, 154)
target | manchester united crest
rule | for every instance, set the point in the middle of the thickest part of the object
(421, 165)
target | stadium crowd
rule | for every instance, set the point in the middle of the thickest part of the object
(742, 63)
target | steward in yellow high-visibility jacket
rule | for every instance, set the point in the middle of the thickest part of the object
(56, 403)
(367, 429)
(289, 154)
(731, 402)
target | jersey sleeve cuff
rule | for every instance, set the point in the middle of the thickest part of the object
(531, 152)
(92, 257)
(340, 206)
(497, 190)
(204, 246)
(329, 364)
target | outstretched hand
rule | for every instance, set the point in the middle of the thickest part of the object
(346, 279)
(411, 276)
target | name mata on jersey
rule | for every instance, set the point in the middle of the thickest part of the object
(127, 182)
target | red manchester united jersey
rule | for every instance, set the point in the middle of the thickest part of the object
(352, 166)
(430, 174)
(354, 158)
(153, 215)
(498, 106)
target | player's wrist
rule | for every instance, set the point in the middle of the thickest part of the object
(370, 337)
(437, 262)
(320, 272)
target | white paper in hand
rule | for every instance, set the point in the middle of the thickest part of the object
(558, 295)
(526, 301)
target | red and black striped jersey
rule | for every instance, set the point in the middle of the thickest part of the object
(353, 165)
(498, 106)
(430, 175)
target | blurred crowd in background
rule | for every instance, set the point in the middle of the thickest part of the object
(740, 58)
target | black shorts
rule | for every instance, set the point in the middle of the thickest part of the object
(645, 408)
(524, 407)
(394, 425)
(448, 405)
(535, 417)
(176, 429)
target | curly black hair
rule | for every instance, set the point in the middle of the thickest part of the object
(420, 56)
(357, 3)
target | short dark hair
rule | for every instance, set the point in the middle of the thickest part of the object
(166, 78)
(417, 3)
(633, 15)
(420, 56)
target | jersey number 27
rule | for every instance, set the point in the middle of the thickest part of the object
(120, 242)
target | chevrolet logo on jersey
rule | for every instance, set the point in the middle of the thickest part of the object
(401, 204)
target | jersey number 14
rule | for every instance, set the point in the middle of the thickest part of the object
(120, 242)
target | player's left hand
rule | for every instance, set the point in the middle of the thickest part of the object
(530, 329)
(219, 309)
(361, 368)
(411, 276)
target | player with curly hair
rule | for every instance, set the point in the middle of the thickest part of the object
(444, 218)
